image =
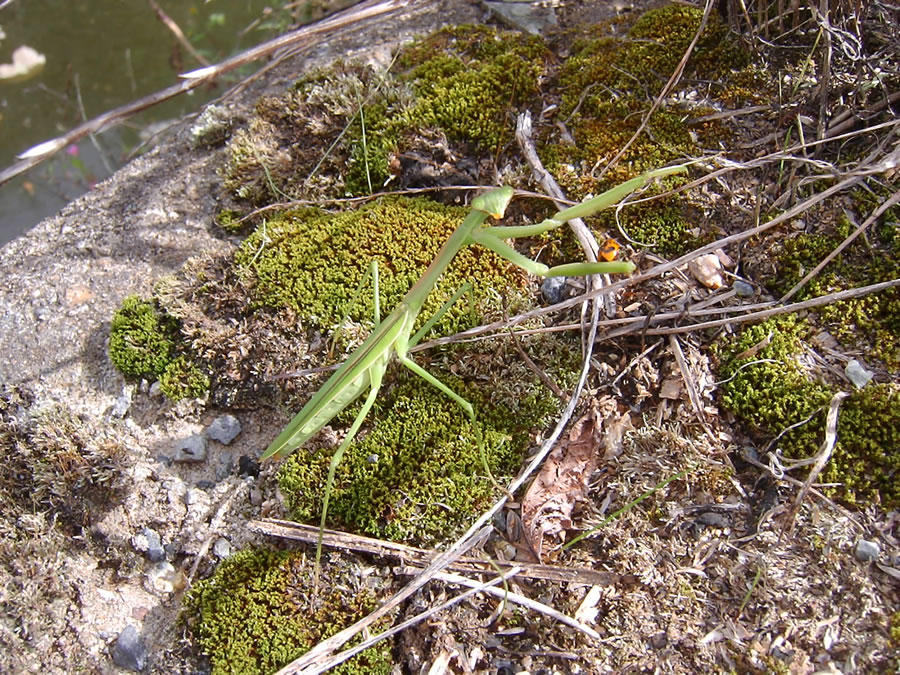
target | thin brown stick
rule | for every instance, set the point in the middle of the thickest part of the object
(176, 31)
(691, 386)
(420, 557)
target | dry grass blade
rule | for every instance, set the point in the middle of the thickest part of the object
(821, 459)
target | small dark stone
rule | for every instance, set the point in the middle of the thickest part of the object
(743, 289)
(712, 519)
(247, 466)
(224, 429)
(206, 484)
(659, 640)
(554, 290)
(165, 460)
(191, 449)
(128, 651)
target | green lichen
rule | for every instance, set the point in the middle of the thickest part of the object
(313, 262)
(771, 396)
(143, 339)
(183, 378)
(258, 613)
(417, 475)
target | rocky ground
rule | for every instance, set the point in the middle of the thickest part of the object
(117, 501)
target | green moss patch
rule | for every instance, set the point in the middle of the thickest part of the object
(142, 338)
(314, 262)
(258, 613)
(145, 341)
(772, 396)
(871, 322)
(417, 475)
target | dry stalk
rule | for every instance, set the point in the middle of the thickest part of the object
(176, 31)
(311, 34)
(820, 461)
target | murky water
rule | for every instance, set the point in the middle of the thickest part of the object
(101, 55)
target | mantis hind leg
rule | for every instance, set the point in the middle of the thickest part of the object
(464, 404)
(376, 376)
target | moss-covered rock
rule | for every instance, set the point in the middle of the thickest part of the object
(142, 338)
(258, 613)
(417, 475)
(772, 395)
(314, 262)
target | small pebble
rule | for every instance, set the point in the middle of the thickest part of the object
(867, 551)
(128, 651)
(372, 459)
(123, 403)
(206, 484)
(224, 429)
(247, 466)
(256, 497)
(148, 542)
(553, 290)
(857, 374)
(191, 449)
(225, 467)
(706, 270)
(155, 390)
(222, 548)
(743, 289)
(164, 578)
(165, 460)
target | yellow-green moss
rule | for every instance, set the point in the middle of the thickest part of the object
(606, 88)
(257, 613)
(230, 221)
(145, 341)
(769, 397)
(183, 378)
(313, 261)
(467, 78)
(872, 321)
(142, 339)
(417, 476)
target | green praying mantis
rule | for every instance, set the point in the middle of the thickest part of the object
(365, 367)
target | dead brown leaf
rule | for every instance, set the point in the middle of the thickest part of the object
(549, 503)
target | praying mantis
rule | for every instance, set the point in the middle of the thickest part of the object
(365, 367)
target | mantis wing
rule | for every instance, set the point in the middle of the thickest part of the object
(342, 388)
